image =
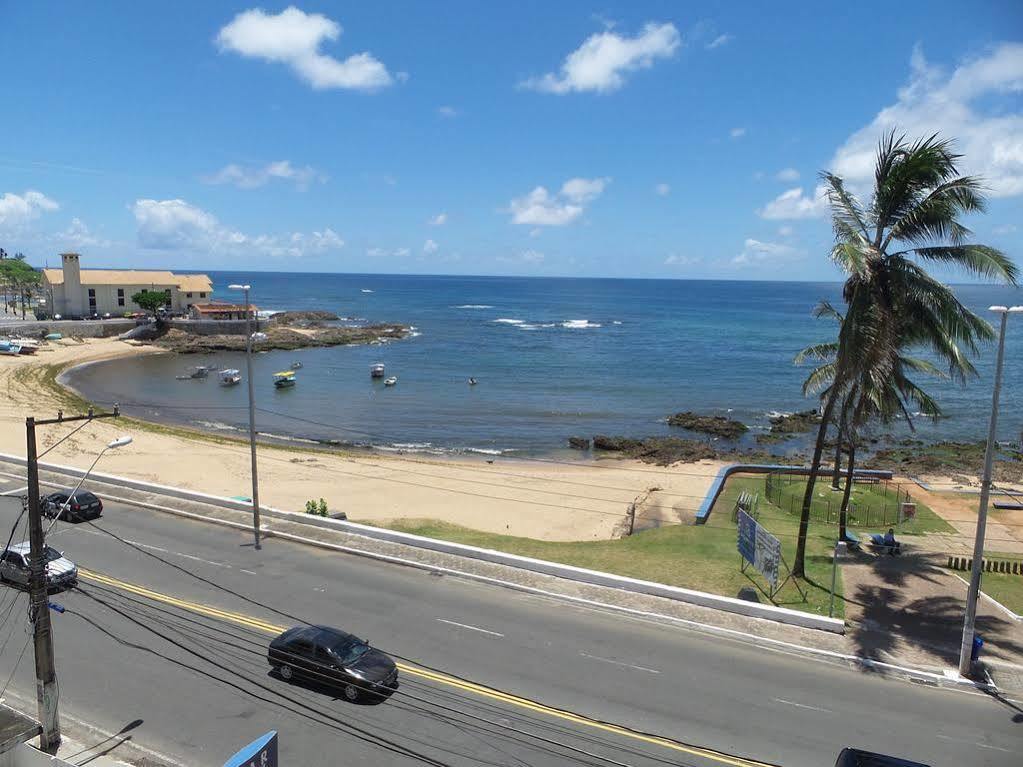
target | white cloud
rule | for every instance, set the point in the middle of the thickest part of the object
(756, 252)
(430, 247)
(525, 257)
(788, 174)
(447, 111)
(718, 41)
(1004, 229)
(663, 189)
(439, 220)
(737, 133)
(785, 231)
(674, 259)
(77, 235)
(602, 61)
(294, 38)
(253, 177)
(384, 252)
(178, 225)
(17, 210)
(541, 208)
(977, 105)
(793, 204)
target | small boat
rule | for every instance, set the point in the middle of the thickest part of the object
(393, 380)
(284, 379)
(28, 345)
(197, 372)
(53, 336)
(230, 377)
(473, 382)
(376, 370)
(9, 348)
(296, 365)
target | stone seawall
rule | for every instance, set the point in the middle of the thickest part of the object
(214, 327)
(77, 328)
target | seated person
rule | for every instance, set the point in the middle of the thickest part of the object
(892, 544)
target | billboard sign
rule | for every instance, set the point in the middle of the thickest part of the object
(758, 547)
(261, 752)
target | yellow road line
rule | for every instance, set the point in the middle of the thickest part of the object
(472, 687)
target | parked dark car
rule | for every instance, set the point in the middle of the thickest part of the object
(61, 573)
(335, 659)
(854, 757)
(84, 505)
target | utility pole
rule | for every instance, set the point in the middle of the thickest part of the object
(39, 606)
(252, 408)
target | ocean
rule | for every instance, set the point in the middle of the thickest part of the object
(553, 357)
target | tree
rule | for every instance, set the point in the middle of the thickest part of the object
(151, 300)
(19, 278)
(892, 302)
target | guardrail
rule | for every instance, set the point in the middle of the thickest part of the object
(610, 580)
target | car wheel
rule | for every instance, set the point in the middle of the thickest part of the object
(286, 673)
(351, 692)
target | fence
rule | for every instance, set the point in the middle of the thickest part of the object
(882, 508)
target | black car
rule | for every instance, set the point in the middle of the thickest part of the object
(854, 757)
(84, 505)
(335, 659)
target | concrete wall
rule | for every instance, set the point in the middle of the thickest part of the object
(80, 328)
(213, 327)
(23, 755)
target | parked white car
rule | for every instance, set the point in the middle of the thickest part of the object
(61, 573)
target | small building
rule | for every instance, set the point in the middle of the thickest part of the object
(220, 311)
(76, 292)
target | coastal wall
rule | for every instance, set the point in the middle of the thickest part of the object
(78, 328)
(212, 327)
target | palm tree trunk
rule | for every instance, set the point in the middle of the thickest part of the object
(837, 471)
(843, 514)
(798, 566)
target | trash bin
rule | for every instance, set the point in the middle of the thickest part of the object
(978, 642)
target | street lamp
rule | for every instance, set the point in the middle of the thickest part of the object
(112, 445)
(249, 338)
(969, 622)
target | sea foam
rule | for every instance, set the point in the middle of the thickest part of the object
(579, 324)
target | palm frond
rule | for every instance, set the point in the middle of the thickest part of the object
(980, 260)
(822, 352)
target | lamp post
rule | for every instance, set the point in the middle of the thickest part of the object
(969, 622)
(112, 445)
(249, 335)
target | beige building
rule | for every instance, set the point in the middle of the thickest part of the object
(76, 292)
(221, 311)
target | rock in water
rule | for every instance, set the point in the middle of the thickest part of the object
(715, 425)
(579, 443)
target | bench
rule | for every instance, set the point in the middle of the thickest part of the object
(880, 547)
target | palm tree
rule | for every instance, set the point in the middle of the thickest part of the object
(892, 302)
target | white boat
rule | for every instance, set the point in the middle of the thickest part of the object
(199, 371)
(391, 381)
(28, 345)
(10, 348)
(376, 370)
(230, 377)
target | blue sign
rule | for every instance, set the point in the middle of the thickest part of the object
(747, 536)
(261, 752)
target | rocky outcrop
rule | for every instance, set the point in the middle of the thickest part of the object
(715, 425)
(281, 338)
(579, 443)
(309, 319)
(660, 450)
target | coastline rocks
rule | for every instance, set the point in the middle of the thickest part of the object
(615, 444)
(579, 443)
(715, 425)
(785, 426)
(659, 450)
(308, 319)
(281, 338)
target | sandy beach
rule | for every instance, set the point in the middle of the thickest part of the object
(531, 498)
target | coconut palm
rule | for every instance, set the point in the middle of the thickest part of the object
(892, 303)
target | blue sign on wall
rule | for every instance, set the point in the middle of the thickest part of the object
(261, 752)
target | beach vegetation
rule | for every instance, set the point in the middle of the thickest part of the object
(151, 301)
(18, 280)
(892, 303)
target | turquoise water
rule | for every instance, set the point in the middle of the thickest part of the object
(553, 358)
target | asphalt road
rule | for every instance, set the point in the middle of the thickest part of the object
(157, 634)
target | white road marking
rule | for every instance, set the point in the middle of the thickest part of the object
(971, 743)
(471, 628)
(19, 491)
(247, 572)
(177, 554)
(619, 663)
(802, 705)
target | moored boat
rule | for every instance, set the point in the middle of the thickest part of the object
(392, 381)
(284, 379)
(376, 370)
(230, 377)
(10, 348)
(28, 345)
(199, 371)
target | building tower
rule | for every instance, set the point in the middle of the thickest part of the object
(74, 301)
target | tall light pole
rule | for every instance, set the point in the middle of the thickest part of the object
(969, 622)
(252, 410)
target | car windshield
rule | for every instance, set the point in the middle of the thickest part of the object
(52, 554)
(350, 650)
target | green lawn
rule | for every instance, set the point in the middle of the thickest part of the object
(866, 502)
(1007, 589)
(702, 557)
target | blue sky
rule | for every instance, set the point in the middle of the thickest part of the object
(641, 139)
